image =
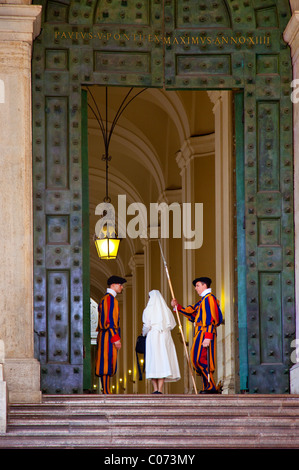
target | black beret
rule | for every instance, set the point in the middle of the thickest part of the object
(206, 280)
(116, 280)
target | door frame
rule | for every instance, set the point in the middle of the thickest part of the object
(62, 63)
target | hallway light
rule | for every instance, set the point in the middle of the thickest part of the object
(121, 384)
(130, 376)
(107, 243)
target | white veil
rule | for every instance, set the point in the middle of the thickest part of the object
(157, 314)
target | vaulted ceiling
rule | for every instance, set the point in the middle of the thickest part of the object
(143, 148)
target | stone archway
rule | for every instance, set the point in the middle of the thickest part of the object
(65, 56)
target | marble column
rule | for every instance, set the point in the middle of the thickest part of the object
(3, 392)
(196, 163)
(127, 337)
(136, 264)
(291, 36)
(171, 245)
(226, 335)
(19, 25)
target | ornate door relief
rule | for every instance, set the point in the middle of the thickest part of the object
(291, 37)
(199, 45)
(240, 47)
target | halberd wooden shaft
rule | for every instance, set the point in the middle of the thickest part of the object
(178, 317)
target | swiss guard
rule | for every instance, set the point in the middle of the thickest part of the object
(108, 339)
(206, 316)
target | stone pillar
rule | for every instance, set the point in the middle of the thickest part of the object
(171, 245)
(152, 265)
(185, 166)
(19, 25)
(3, 392)
(128, 345)
(172, 251)
(190, 150)
(291, 36)
(196, 162)
(226, 334)
(136, 264)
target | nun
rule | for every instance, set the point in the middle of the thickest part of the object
(161, 362)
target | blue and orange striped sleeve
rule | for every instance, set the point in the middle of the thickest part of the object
(211, 315)
(190, 312)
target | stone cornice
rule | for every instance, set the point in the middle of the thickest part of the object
(170, 195)
(291, 35)
(20, 22)
(136, 261)
(214, 95)
(198, 146)
(294, 5)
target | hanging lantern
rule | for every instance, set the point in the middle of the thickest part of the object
(107, 244)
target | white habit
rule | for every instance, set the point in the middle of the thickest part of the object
(160, 359)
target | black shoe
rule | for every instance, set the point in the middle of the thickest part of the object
(209, 392)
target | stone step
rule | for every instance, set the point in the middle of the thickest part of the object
(146, 421)
(189, 419)
(203, 406)
(156, 440)
(208, 410)
(178, 401)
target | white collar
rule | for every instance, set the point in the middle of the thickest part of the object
(111, 291)
(205, 292)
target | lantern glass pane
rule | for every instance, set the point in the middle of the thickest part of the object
(107, 248)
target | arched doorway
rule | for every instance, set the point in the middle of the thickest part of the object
(146, 169)
(197, 47)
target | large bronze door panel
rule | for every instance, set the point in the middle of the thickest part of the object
(239, 45)
(106, 43)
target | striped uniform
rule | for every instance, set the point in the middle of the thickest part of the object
(206, 315)
(108, 333)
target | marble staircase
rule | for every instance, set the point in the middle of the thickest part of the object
(154, 422)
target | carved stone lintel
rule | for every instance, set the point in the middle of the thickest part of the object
(20, 22)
